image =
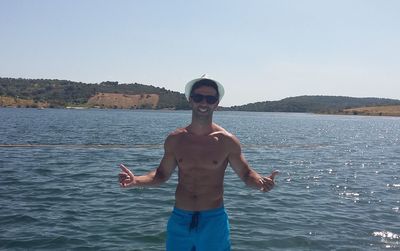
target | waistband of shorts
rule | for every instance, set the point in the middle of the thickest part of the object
(204, 213)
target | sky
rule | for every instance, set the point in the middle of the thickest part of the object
(260, 50)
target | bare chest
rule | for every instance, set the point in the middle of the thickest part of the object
(204, 153)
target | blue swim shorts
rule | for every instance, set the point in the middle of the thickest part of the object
(198, 231)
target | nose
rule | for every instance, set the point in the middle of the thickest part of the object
(203, 102)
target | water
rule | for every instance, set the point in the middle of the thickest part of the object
(339, 187)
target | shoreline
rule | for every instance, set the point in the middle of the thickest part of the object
(382, 111)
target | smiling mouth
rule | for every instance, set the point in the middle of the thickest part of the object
(203, 109)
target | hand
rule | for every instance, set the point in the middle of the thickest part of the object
(126, 177)
(267, 182)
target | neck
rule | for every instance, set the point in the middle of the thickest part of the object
(201, 125)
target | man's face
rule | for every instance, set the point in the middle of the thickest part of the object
(198, 100)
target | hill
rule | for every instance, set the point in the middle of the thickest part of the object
(124, 101)
(315, 104)
(62, 93)
(392, 110)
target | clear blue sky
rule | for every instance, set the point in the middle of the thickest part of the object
(259, 49)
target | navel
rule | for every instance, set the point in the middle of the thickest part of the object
(215, 162)
(180, 160)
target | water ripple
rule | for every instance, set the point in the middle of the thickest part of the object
(338, 187)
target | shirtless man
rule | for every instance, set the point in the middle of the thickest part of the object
(202, 152)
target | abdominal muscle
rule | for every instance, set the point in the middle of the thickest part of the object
(198, 192)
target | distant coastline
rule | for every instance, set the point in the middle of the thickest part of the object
(23, 103)
(44, 93)
(392, 110)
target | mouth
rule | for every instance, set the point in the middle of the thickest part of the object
(203, 109)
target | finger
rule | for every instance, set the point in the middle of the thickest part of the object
(124, 183)
(268, 180)
(126, 170)
(123, 175)
(124, 178)
(267, 188)
(268, 184)
(273, 174)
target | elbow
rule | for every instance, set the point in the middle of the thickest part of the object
(161, 177)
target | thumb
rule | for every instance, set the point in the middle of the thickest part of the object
(273, 174)
(125, 169)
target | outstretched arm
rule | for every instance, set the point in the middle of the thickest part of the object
(249, 176)
(155, 177)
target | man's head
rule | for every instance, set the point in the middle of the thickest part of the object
(195, 84)
(204, 82)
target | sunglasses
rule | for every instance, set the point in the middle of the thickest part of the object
(209, 99)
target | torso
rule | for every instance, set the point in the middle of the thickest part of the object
(202, 161)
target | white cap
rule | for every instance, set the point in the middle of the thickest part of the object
(189, 85)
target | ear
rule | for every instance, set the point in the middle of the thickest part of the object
(216, 105)
(190, 102)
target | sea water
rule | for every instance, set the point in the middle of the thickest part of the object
(338, 188)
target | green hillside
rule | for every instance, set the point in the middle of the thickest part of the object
(60, 93)
(314, 104)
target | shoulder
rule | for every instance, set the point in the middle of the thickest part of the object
(175, 136)
(229, 139)
(178, 133)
